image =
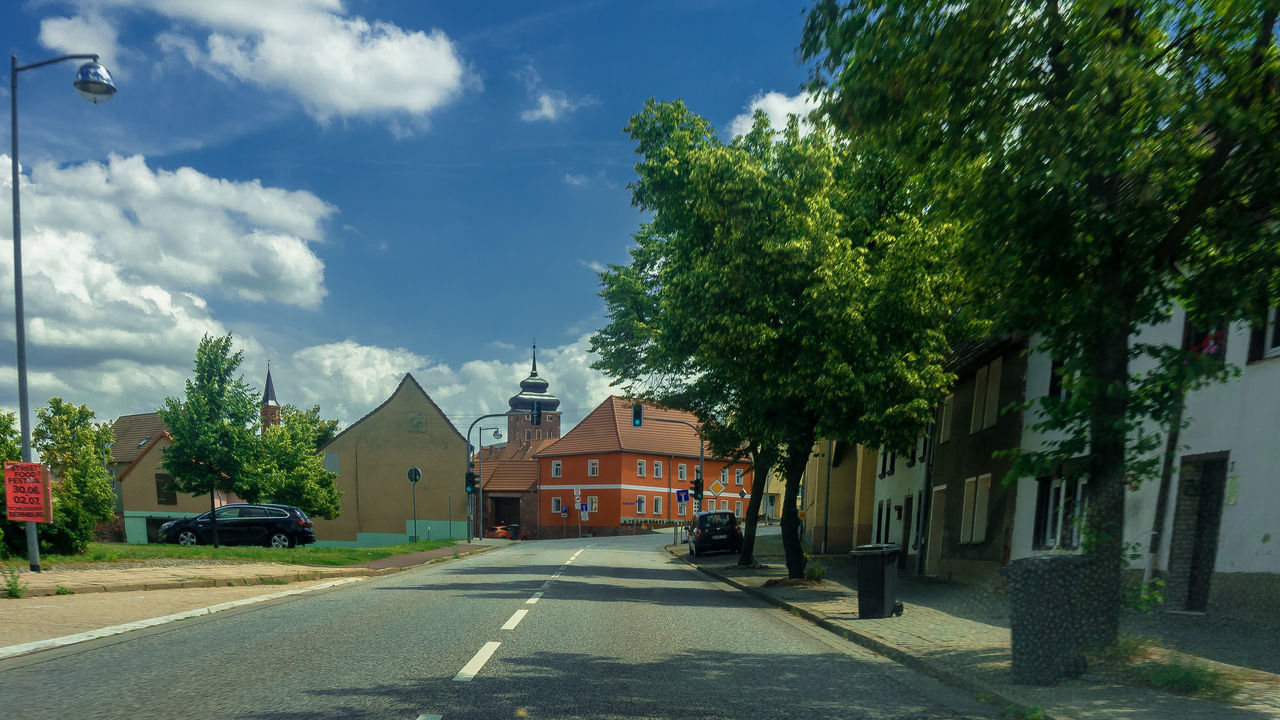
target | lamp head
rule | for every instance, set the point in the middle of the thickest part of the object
(497, 434)
(93, 82)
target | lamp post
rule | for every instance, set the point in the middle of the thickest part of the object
(497, 435)
(467, 438)
(94, 84)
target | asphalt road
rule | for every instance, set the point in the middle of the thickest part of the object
(603, 628)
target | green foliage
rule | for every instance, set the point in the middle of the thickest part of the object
(778, 292)
(1127, 649)
(59, 590)
(306, 555)
(814, 571)
(10, 438)
(1023, 712)
(214, 445)
(290, 471)
(76, 451)
(1105, 163)
(14, 585)
(1187, 678)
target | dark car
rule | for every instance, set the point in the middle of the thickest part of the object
(714, 530)
(282, 526)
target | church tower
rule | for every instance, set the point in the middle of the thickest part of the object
(270, 412)
(533, 389)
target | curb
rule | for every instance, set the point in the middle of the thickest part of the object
(896, 653)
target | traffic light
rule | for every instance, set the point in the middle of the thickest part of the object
(535, 417)
(471, 481)
(696, 490)
(637, 414)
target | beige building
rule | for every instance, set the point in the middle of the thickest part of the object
(839, 497)
(372, 458)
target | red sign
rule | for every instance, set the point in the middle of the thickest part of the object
(26, 492)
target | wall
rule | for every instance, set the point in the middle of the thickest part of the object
(850, 484)
(138, 488)
(372, 459)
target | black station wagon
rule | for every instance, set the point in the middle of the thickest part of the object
(281, 526)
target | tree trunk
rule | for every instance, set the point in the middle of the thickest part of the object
(797, 456)
(760, 478)
(213, 515)
(1108, 354)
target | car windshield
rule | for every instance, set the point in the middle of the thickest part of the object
(717, 521)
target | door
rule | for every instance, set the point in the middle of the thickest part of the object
(906, 533)
(1193, 547)
(230, 531)
(253, 524)
(937, 516)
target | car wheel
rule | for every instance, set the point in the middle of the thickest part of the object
(188, 537)
(280, 539)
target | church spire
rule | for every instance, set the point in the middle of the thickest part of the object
(270, 411)
(535, 356)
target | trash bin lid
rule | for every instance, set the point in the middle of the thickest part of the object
(877, 549)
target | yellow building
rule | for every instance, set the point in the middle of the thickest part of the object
(372, 458)
(839, 497)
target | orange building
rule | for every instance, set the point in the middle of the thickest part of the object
(627, 476)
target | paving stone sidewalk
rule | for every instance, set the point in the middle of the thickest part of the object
(975, 656)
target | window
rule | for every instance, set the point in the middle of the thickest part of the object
(593, 468)
(639, 468)
(973, 520)
(526, 434)
(593, 503)
(986, 396)
(1264, 340)
(737, 476)
(737, 508)
(724, 504)
(166, 494)
(555, 468)
(682, 508)
(1060, 505)
(657, 468)
(724, 475)
(657, 504)
(555, 505)
(893, 461)
(1204, 342)
(639, 504)
(1057, 370)
(680, 472)
(537, 434)
(948, 404)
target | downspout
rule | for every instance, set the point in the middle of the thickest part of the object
(826, 500)
(926, 502)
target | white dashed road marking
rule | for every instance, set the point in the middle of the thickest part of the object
(469, 670)
(515, 620)
(533, 600)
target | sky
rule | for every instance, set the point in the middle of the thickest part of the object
(355, 190)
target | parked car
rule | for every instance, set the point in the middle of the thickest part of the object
(281, 526)
(504, 532)
(714, 530)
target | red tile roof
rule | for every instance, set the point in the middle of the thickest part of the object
(511, 467)
(133, 432)
(608, 429)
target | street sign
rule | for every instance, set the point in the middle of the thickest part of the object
(682, 496)
(564, 512)
(742, 493)
(717, 487)
(582, 507)
(584, 516)
(27, 492)
(414, 474)
(577, 492)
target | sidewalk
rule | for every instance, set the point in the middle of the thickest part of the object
(125, 597)
(962, 639)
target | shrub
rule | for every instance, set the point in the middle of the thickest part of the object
(815, 571)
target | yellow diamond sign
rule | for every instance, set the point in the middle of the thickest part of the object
(717, 487)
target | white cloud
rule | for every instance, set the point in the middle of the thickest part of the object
(87, 33)
(549, 105)
(594, 266)
(335, 64)
(777, 106)
(571, 179)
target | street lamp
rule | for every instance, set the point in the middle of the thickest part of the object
(497, 435)
(93, 82)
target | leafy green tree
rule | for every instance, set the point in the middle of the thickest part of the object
(10, 438)
(778, 292)
(1106, 160)
(291, 470)
(213, 427)
(76, 450)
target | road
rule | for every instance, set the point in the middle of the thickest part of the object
(590, 628)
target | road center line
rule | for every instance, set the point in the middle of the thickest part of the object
(534, 599)
(431, 717)
(575, 555)
(469, 670)
(515, 619)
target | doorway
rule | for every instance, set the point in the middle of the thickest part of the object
(1193, 547)
(906, 533)
(937, 520)
(506, 511)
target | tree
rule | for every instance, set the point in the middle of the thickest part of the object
(76, 451)
(1107, 161)
(214, 446)
(291, 472)
(777, 293)
(10, 451)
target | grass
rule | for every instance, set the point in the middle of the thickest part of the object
(309, 555)
(1140, 660)
(14, 586)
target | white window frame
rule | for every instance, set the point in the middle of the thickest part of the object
(737, 476)
(556, 504)
(973, 521)
(657, 504)
(657, 469)
(680, 472)
(737, 508)
(1059, 532)
(556, 468)
(979, 399)
(639, 505)
(593, 468)
(724, 476)
(724, 504)
(682, 508)
(593, 503)
(966, 511)
(639, 468)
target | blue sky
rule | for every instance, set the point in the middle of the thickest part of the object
(354, 189)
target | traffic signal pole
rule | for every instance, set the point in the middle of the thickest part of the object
(639, 415)
(478, 489)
